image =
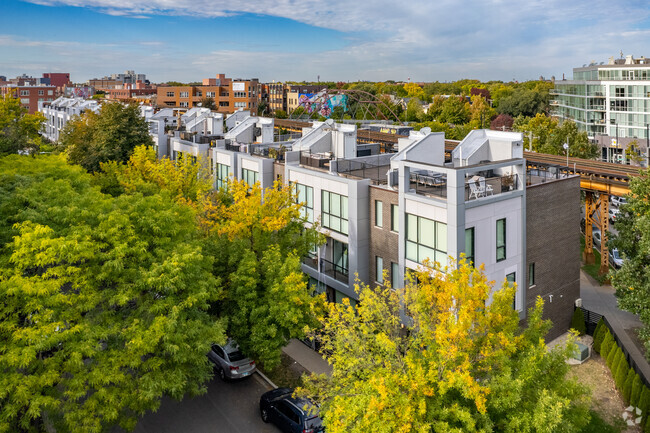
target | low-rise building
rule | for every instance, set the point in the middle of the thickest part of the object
(30, 95)
(58, 112)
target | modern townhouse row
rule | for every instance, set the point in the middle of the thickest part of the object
(385, 214)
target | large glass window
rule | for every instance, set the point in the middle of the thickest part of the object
(531, 274)
(512, 279)
(379, 213)
(394, 218)
(340, 255)
(306, 197)
(249, 176)
(379, 269)
(223, 173)
(501, 239)
(394, 275)
(469, 246)
(426, 238)
(335, 212)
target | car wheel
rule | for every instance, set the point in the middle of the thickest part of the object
(222, 374)
(265, 415)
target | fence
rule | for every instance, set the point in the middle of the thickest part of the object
(591, 319)
(374, 169)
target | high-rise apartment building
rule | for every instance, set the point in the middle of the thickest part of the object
(610, 101)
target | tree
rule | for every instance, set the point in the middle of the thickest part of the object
(636, 390)
(458, 363)
(503, 122)
(632, 280)
(414, 110)
(578, 321)
(455, 110)
(280, 114)
(257, 245)
(480, 112)
(606, 345)
(208, 102)
(627, 387)
(110, 135)
(19, 131)
(599, 335)
(414, 91)
(103, 301)
(523, 101)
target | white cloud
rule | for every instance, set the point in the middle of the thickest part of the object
(425, 39)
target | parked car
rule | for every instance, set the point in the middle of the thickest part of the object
(615, 259)
(230, 362)
(618, 201)
(596, 237)
(289, 414)
(613, 214)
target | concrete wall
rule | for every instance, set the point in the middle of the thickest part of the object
(553, 235)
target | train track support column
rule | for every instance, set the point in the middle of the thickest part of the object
(604, 233)
(590, 207)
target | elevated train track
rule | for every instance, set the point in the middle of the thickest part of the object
(598, 179)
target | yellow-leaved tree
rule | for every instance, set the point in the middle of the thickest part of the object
(444, 355)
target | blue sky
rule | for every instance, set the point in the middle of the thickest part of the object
(338, 40)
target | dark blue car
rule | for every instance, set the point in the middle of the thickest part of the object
(291, 415)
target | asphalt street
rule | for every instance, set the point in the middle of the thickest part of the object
(227, 407)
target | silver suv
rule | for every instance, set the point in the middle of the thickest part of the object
(230, 362)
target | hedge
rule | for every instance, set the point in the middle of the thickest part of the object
(578, 321)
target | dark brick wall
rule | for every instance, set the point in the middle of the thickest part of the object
(553, 244)
(383, 242)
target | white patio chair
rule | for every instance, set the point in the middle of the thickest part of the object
(486, 187)
(475, 190)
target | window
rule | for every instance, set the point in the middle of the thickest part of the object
(41, 92)
(306, 197)
(170, 94)
(249, 176)
(501, 239)
(223, 173)
(531, 274)
(340, 256)
(512, 279)
(24, 101)
(224, 104)
(238, 94)
(209, 94)
(394, 275)
(335, 212)
(379, 217)
(426, 239)
(184, 94)
(394, 218)
(379, 269)
(469, 245)
(50, 92)
(184, 104)
(240, 104)
(199, 93)
(24, 93)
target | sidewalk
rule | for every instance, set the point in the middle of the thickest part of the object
(307, 358)
(601, 300)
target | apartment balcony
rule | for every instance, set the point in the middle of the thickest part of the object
(335, 271)
(481, 186)
(596, 107)
(316, 160)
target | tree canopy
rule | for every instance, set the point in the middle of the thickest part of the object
(438, 356)
(632, 280)
(110, 135)
(104, 301)
(549, 136)
(19, 131)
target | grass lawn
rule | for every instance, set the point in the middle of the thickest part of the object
(287, 374)
(598, 425)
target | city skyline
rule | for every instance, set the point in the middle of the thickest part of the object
(336, 41)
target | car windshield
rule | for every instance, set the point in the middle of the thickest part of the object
(235, 355)
(615, 254)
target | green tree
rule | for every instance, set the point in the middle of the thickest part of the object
(414, 91)
(599, 334)
(627, 387)
(606, 345)
(637, 386)
(110, 135)
(414, 111)
(455, 111)
(578, 321)
(460, 363)
(103, 301)
(208, 102)
(19, 131)
(480, 112)
(632, 280)
(280, 114)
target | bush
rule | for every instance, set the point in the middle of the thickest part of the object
(606, 345)
(644, 400)
(627, 386)
(578, 321)
(611, 356)
(636, 391)
(599, 335)
(621, 373)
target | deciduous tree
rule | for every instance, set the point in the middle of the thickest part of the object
(440, 357)
(103, 301)
(110, 135)
(19, 131)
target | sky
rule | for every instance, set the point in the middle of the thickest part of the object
(337, 40)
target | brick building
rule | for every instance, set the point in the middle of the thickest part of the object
(30, 96)
(58, 79)
(229, 95)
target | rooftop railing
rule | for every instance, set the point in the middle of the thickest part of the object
(480, 186)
